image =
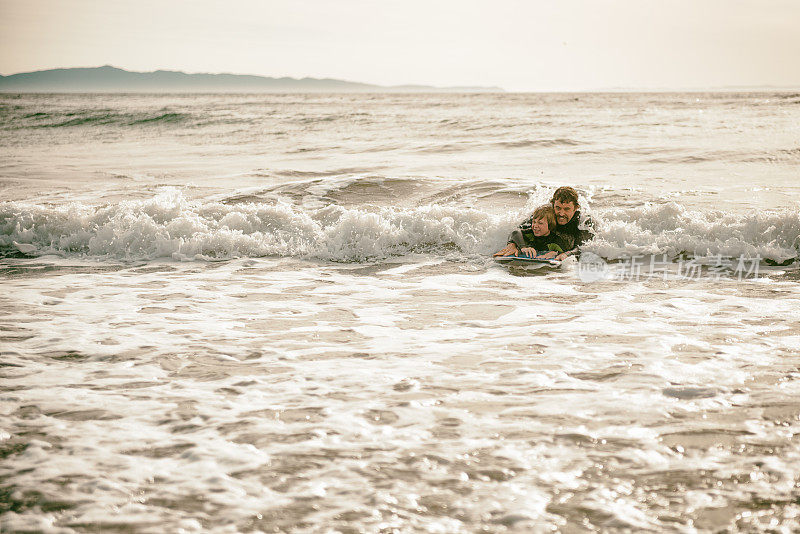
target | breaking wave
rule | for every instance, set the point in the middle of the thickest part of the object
(170, 226)
(673, 230)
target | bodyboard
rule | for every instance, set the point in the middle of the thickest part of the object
(523, 260)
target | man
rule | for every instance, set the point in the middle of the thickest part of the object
(568, 216)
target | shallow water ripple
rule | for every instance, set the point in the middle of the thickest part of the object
(418, 395)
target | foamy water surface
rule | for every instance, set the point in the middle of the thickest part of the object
(279, 313)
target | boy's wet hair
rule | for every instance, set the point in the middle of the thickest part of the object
(565, 194)
(548, 213)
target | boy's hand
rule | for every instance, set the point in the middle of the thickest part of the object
(529, 251)
(511, 248)
(551, 254)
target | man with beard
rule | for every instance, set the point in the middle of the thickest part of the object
(568, 218)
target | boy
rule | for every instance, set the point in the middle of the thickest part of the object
(538, 238)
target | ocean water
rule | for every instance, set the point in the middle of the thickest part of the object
(279, 313)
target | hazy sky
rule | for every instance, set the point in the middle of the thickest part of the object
(523, 45)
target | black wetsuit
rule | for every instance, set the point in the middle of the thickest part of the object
(523, 237)
(576, 236)
(567, 237)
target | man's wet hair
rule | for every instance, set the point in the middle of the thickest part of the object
(547, 213)
(565, 194)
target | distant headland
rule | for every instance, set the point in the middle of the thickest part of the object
(110, 79)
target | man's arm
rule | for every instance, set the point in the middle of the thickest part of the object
(567, 254)
(587, 232)
(509, 249)
(582, 237)
(566, 246)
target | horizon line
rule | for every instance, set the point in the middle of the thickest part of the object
(621, 89)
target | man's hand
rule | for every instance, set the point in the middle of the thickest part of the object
(551, 254)
(510, 249)
(529, 251)
(562, 256)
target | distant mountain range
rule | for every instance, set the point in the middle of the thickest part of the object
(110, 79)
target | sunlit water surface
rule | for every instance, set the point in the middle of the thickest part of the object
(279, 313)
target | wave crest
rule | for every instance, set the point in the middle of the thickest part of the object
(106, 117)
(673, 230)
(169, 225)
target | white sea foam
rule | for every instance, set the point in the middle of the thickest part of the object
(672, 229)
(448, 395)
(169, 225)
(363, 365)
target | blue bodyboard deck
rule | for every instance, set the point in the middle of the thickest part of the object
(523, 260)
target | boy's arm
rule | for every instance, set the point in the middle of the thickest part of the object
(516, 241)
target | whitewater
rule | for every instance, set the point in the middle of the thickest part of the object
(279, 313)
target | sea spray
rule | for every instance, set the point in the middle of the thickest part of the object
(672, 229)
(170, 225)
